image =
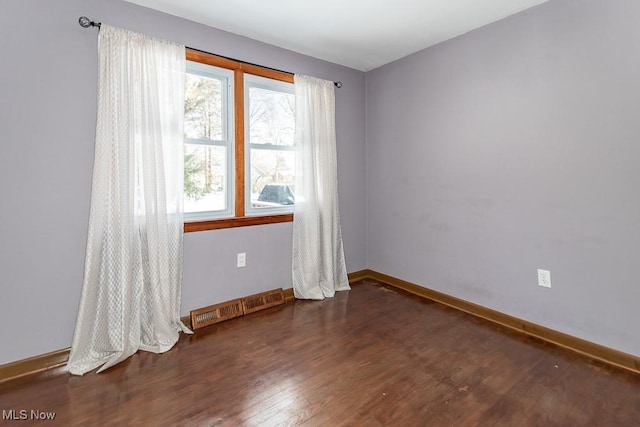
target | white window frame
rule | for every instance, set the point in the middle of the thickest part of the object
(251, 80)
(227, 141)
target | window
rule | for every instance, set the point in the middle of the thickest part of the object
(208, 142)
(239, 144)
(269, 133)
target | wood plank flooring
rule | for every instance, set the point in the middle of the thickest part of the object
(373, 356)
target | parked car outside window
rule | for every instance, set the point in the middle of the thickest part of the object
(275, 195)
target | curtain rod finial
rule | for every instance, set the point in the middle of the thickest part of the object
(86, 22)
(338, 84)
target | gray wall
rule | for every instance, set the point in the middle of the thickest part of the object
(47, 126)
(507, 149)
(511, 148)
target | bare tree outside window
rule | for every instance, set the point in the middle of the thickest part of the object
(205, 156)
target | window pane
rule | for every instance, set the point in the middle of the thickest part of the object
(203, 113)
(271, 117)
(272, 178)
(204, 178)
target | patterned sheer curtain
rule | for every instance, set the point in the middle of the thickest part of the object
(319, 268)
(133, 267)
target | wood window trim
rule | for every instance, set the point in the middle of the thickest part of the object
(245, 221)
(239, 69)
(222, 62)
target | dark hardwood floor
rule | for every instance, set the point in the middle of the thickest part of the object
(373, 356)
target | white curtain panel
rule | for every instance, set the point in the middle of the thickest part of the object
(133, 267)
(319, 268)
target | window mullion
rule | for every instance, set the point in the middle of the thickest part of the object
(239, 148)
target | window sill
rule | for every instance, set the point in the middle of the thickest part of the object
(244, 221)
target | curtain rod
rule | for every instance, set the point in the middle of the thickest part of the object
(87, 23)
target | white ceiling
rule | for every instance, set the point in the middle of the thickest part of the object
(361, 34)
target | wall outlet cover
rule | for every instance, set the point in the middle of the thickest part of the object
(242, 259)
(544, 278)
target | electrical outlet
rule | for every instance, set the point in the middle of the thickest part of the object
(544, 278)
(242, 259)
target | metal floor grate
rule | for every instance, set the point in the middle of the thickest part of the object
(235, 308)
(262, 301)
(216, 313)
